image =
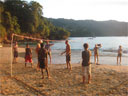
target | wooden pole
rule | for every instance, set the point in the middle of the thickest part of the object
(11, 53)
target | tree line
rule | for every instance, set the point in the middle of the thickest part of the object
(91, 28)
(26, 18)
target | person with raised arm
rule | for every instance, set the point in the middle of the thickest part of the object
(96, 53)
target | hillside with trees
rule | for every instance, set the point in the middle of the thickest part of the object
(26, 18)
(84, 28)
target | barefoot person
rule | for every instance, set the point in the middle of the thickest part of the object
(28, 55)
(68, 55)
(47, 46)
(119, 54)
(96, 53)
(37, 50)
(86, 66)
(15, 52)
(43, 60)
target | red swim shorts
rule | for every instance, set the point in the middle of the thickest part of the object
(28, 59)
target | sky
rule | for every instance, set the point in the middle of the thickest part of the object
(99, 10)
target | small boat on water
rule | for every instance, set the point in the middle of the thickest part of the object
(91, 37)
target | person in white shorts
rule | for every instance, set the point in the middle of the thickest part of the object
(86, 66)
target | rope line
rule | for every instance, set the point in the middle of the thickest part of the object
(24, 85)
(27, 37)
(113, 88)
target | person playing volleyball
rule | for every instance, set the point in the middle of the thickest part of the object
(119, 54)
(15, 52)
(68, 55)
(96, 53)
(37, 50)
(28, 55)
(43, 60)
(86, 66)
(47, 47)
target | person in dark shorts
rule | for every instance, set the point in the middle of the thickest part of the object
(43, 60)
(15, 52)
(28, 55)
(119, 54)
(68, 55)
(86, 66)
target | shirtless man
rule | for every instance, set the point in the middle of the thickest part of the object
(68, 55)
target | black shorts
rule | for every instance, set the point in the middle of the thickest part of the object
(42, 63)
(15, 54)
(68, 58)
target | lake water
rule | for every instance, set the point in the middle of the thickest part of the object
(108, 43)
(107, 52)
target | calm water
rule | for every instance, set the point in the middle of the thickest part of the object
(108, 43)
(107, 52)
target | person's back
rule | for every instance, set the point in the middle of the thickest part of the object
(42, 53)
(86, 66)
(43, 61)
(86, 58)
(28, 55)
(28, 51)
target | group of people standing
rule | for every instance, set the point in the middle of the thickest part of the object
(43, 51)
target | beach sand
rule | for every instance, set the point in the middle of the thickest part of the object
(107, 80)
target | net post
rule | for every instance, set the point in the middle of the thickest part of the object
(11, 53)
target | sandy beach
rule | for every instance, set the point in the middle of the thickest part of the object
(107, 78)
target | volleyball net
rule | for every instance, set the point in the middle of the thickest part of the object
(7, 61)
(6, 54)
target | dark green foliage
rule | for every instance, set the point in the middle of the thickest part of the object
(83, 28)
(25, 18)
